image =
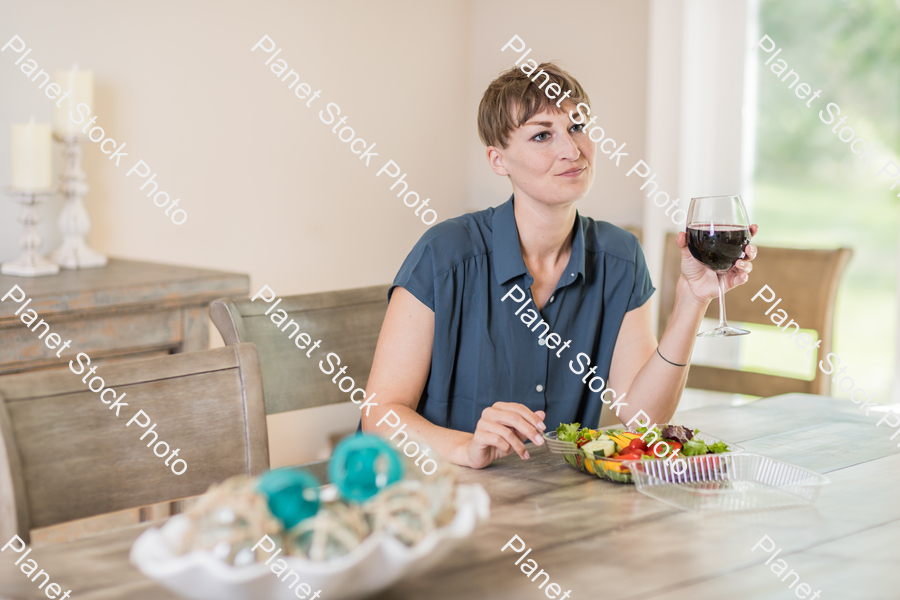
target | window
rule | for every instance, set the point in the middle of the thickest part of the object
(811, 190)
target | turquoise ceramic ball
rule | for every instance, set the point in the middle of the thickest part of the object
(293, 494)
(362, 466)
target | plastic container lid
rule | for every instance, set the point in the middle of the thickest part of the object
(727, 482)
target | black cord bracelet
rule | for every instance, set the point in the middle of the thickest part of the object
(667, 360)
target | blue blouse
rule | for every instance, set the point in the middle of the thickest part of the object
(490, 342)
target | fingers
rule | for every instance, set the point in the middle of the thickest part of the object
(736, 277)
(739, 273)
(517, 417)
(502, 438)
(686, 256)
(507, 425)
(541, 415)
(538, 413)
(520, 426)
(535, 419)
(750, 250)
(681, 240)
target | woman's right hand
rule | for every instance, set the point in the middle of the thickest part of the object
(503, 429)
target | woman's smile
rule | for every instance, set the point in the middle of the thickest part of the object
(573, 172)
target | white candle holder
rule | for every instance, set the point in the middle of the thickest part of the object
(30, 263)
(74, 222)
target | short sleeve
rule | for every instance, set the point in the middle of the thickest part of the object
(643, 287)
(417, 273)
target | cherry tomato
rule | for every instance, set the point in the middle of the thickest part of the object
(638, 444)
(672, 447)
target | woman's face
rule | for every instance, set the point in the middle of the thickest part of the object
(549, 158)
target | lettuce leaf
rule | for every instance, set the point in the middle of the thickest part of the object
(568, 432)
(718, 447)
(679, 433)
(655, 435)
(694, 448)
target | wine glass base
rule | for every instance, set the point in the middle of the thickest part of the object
(725, 331)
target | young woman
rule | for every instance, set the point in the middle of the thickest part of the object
(459, 359)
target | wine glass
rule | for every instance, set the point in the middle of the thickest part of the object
(717, 233)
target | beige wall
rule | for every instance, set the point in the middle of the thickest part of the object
(268, 188)
(604, 45)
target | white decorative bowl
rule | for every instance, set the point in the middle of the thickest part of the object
(377, 563)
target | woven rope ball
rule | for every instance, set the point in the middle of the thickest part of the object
(229, 520)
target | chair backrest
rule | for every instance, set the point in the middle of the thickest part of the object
(806, 281)
(64, 455)
(347, 322)
(636, 230)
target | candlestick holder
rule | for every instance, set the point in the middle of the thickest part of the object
(74, 222)
(30, 263)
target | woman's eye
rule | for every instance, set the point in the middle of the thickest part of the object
(541, 136)
(579, 127)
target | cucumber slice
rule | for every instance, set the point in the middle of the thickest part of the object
(599, 448)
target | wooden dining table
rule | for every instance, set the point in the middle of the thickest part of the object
(603, 540)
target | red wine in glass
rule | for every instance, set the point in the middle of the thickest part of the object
(718, 246)
(718, 231)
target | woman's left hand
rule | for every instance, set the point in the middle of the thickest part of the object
(702, 282)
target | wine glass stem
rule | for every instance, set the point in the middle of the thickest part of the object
(721, 277)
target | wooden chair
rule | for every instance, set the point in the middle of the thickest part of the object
(347, 321)
(636, 230)
(64, 455)
(806, 280)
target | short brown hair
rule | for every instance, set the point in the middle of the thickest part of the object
(511, 100)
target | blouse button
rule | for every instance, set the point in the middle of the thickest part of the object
(552, 298)
(541, 342)
(539, 388)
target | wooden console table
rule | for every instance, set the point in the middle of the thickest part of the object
(127, 309)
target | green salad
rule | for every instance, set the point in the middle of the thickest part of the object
(656, 442)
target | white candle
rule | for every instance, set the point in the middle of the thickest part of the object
(31, 158)
(81, 84)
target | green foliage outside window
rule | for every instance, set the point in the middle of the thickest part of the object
(812, 191)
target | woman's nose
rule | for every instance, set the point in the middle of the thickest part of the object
(569, 148)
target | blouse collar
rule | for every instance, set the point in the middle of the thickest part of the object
(507, 253)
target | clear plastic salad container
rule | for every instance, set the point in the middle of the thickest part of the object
(726, 482)
(614, 469)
